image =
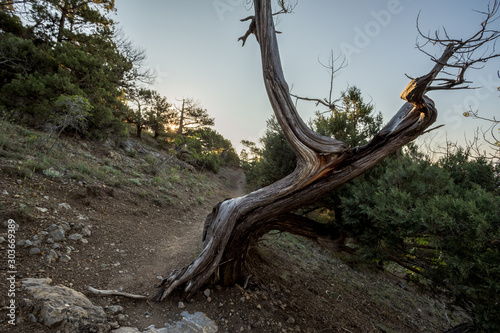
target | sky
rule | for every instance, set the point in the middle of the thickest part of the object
(192, 45)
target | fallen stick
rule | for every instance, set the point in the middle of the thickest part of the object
(115, 293)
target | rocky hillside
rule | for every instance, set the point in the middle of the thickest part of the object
(122, 215)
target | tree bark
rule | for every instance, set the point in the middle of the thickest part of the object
(323, 164)
(62, 21)
(138, 131)
(181, 121)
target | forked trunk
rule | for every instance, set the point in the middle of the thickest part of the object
(323, 165)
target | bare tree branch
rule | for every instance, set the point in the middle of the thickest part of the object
(334, 71)
(471, 53)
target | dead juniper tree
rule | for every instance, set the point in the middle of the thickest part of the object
(323, 163)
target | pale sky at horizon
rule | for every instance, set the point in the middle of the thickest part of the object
(192, 45)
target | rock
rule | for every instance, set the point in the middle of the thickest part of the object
(28, 243)
(52, 227)
(114, 324)
(42, 210)
(40, 236)
(2, 240)
(65, 309)
(64, 258)
(121, 318)
(76, 225)
(190, 323)
(35, 250)
(51, 257)
(49, 241)
(206, 292)
(64, 206)
(75, 237)
(4, 192)
(19, 182)
(86, 231)
(66, 226)
(84, 241)
(115, 310)
(290, 320)
(21, 242)
(199, 322)
(181, 305)
(57, 233)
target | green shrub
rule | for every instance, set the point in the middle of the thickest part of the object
(441, 221)
(53, 173)
(135, 181)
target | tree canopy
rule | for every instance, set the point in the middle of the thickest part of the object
(63, 48)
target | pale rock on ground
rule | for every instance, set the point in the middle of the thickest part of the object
(62, 307)
(68, 310)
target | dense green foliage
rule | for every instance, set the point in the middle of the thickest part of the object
(439, 220)
(272, 162)
(65, 68)
(66, 48)
(150, 110)
(206, 149)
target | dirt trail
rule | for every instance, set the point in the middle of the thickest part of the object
(236, 179)
(177, 244)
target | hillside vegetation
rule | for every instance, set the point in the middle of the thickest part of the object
(145, 210)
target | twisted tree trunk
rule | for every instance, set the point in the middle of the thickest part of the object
(323, 165)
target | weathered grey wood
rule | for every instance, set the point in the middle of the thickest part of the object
(115, 293)
(323, 165)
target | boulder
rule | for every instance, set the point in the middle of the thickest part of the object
(63, 308)
(75, 237)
